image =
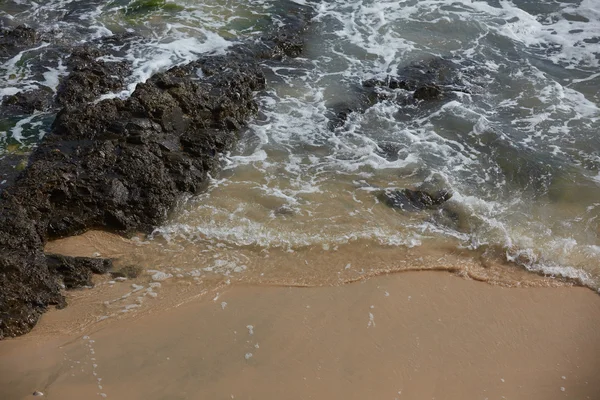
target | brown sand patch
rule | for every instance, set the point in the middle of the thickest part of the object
(433, 336)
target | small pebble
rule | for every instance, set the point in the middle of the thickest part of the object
(562, 389)
(159, 276)
(36, 393)
(248, 356)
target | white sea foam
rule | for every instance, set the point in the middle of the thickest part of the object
(511, 149)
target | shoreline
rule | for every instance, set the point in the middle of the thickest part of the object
(409, 335)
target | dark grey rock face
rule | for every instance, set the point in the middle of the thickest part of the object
(413, 200)
(121, 165)
(26, 285)
(13, 41)
(429, 79)
(138, 155)
(28, 102)
(77, 271)
(90, 77)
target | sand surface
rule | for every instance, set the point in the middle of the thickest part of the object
(413, 335)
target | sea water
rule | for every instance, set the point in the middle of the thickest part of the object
(295, 202)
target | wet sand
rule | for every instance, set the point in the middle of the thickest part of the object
(412, 335)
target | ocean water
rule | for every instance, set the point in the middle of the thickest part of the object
(516, 142)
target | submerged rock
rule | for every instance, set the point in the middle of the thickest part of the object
(428, 92)
(427, 80)
(28, 102)
(284, 38)
(413, 200)
(287, 38)
(128, 271)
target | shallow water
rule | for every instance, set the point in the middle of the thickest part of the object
(296, 200)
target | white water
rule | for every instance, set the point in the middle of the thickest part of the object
(520, 151)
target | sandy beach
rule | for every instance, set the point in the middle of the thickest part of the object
(412, 335)
(298, 199)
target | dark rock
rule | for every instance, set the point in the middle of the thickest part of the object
(285, 37)
(121, 165)
(429, 79)
(454, 216)
(28, 102)
(90, 77)
(433, 71)
(284, 210)
(391, 82)
(15, 40)
(432, 79)
(11, 166)
(26, 285)
(413, 200)
(77, 272)
(389, 150)
(357, 102)
(288, 40)
(428, 92)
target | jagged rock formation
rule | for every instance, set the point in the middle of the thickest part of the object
(13, 41)
(413, 200)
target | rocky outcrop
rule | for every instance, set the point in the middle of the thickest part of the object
(27, 287)
(90, 77)
(134, 158)
(413, 200)
(28, 102)
(429, 79)
(13, 41)
(77, 271)
(120, 165)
